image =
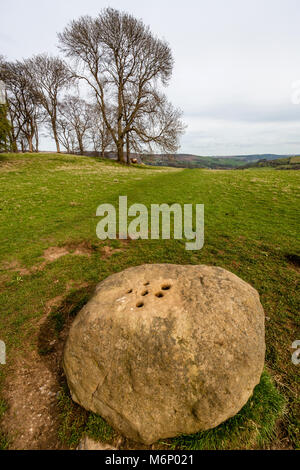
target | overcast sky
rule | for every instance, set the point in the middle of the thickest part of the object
(235, 63)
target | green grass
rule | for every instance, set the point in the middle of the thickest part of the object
(4, 442)
(76, 422)
(251, 229)
(72, 418)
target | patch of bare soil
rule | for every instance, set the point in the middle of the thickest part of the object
(15, 267)
(108, 251)
(55, 252)
(31, 420)
(50, 254)
(35, 378)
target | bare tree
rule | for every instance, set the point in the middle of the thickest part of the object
(23, 107)
(77, 113)
(118, 56)
(98, 132)
(66, 134)
(158, 126)
(4, 126)
(49, 77)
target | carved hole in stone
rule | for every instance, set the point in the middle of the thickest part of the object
(140, 304)
(130, 291)
(166, 287)
(146, 292)
(146, 283)
(159, 294)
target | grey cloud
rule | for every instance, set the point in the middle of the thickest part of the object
(235, 62)
(249, 113)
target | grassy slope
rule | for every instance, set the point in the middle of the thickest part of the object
(250, 228)
(290, 163)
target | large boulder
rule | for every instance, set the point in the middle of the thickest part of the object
(162, 350)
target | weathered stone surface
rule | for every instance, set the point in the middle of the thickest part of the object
(162, 350)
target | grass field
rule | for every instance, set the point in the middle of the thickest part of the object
(51, 260)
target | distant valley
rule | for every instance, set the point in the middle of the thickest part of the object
(181, 160)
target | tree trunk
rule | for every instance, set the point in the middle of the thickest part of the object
(12, 139)
(80, 144)
(29, 140)
(120, 149)
(36, 138)
(120, 143)
(128, 149)
(13, 143)
(55, 135)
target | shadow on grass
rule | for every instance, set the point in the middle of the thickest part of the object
(294, 259)
(61, 317)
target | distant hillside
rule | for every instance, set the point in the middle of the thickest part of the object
(289, 163)
(182, 160)
(196, 161)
